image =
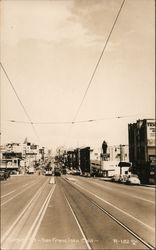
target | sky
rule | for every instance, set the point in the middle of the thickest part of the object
(49, 50)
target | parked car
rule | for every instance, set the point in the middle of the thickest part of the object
(7, 173)
(4, 175)
(76, 172)
(64, 171)
(68, 171)
(14, 172)
(116, 178)
(133, 179)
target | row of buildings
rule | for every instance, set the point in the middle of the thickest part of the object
(21, 156)
(93, 162)
(140, 152)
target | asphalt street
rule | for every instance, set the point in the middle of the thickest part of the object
(74, 212)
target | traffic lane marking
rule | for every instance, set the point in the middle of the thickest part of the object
(6, 234)
(35, 226)
(117, 208)
(7, 194)
(91, 221)
(133, 196)
(58, 229)
(16, 183)
(14, 190)
(5, 202)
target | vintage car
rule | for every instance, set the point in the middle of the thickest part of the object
(4, 175)
(133, 180)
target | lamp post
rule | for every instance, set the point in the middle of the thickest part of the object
(121, 157)
(120, 160)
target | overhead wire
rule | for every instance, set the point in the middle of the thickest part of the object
(96, 67)
(85, 93)
(77, 122)
(16, 94)
(98, 62)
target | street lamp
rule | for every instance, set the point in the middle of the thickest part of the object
(121, 157)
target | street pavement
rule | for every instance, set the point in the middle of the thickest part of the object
(74, 212)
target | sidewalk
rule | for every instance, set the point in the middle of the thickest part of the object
(144, 185)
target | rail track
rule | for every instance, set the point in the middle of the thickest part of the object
(106, 212)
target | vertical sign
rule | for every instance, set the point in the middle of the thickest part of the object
(150, 133)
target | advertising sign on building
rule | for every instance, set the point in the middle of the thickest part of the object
(151, 133)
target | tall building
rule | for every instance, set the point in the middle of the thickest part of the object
(142, 149)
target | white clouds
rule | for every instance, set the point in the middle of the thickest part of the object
(48, 20)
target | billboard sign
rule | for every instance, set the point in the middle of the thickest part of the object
(151, 133)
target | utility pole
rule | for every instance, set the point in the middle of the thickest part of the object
(120, 159)
(121, 156)
(101, 159)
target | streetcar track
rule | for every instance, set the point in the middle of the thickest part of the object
(117, 208)
(78, 223)
(28, 241)
(8, 233)
(145, 243)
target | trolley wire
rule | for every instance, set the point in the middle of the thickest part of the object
(16, 94)
(76, 122)
(98, 62)
(85, 93)
(95, 69)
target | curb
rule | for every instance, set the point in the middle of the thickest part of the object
(104, 179)
(143, 185)
(151, 186)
